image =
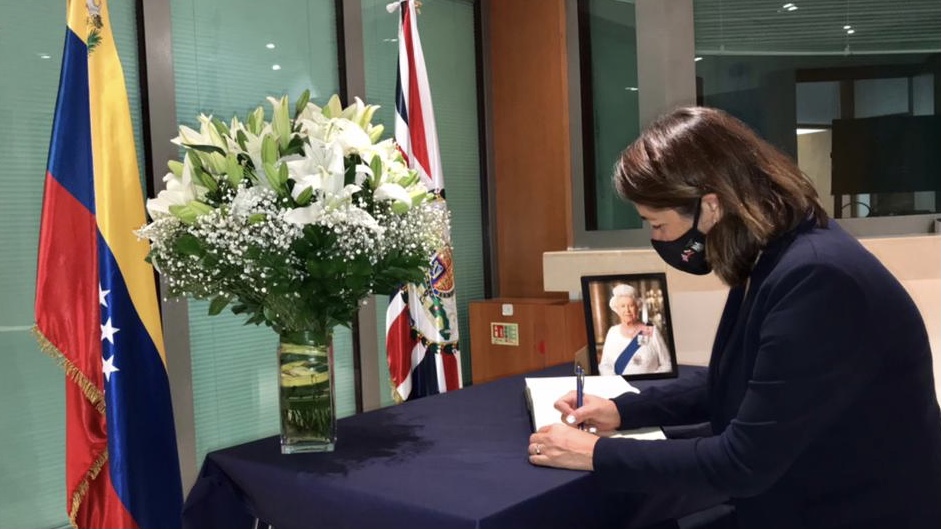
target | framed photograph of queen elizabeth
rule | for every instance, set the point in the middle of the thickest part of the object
(630, 332)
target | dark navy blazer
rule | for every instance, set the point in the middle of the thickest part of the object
(821, 394)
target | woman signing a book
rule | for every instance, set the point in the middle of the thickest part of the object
(819, 392)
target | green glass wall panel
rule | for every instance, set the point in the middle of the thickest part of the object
(228, 57)
(32, 396)
(615, 115)
(447, 34)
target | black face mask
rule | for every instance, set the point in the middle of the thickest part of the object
(688, 252)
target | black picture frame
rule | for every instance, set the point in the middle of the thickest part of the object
(600, 319)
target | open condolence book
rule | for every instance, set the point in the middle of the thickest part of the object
(542, 392)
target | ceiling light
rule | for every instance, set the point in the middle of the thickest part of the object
(45, 56)
(275, 67)
(801, 132)
(631, 88)
(850, 31)
(697, 59)
(789, 7)
(847, 27)
(270, 45)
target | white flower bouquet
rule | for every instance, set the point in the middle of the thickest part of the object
(292, 221)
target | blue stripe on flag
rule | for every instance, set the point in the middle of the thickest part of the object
(401, 108)
(141, 435)
(71, 140)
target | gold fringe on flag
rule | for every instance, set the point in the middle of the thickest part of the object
(82, 489)
(90, 390)
(395, 394)
(95, 397)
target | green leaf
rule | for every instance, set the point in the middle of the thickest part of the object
(283, 175)
(200, 176)
(255, 218)
(242, 139)
(256, 319)
(295, 146)
(376, 166)
(315, 268)
(188, 244)
(221, 127)
(217, 305)
(333, 108)
(256, 120)
(269, 314)
(206, 180)
(304, 198)
(189, 212)
(301, 103)
(400, 208)
(176, 167)
(207, 149)
(281, 122)
(269, 149)
(233, 169)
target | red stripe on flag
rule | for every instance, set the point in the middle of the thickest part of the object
(67, 313)
(67, 280)
(416, 119)
(86, 460)
(451, 379)
(400, 342)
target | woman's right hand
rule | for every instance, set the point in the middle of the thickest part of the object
(597, 412)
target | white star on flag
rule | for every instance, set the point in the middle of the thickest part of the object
(101, 296)
(107, 331)
(107, 367)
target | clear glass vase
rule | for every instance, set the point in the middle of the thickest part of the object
(306, 394)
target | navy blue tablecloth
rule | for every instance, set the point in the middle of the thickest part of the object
(449, 461)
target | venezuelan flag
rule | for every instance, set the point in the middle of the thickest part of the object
(96, 299)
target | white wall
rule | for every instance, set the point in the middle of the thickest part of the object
(696, 301)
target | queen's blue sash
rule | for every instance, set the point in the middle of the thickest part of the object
(626, 355)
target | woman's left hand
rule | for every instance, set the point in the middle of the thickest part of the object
(561, 446)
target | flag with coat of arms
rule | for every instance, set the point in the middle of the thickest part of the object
(96, 299)
(421, 321)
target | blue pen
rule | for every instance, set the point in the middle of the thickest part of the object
(579, 389)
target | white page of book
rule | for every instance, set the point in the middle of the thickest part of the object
(543, 392)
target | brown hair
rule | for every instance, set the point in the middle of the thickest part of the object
(693, 151)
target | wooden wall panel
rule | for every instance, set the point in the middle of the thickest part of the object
(550, 332)
(530, 135)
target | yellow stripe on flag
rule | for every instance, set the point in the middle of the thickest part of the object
(119, 202)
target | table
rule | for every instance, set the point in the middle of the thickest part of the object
(449, 461)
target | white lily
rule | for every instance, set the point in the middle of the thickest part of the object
(305, 215)
(180, 190)
(350, 136)
(253, 148)
(206, 135)
(395, 193)
(320, 169)
(281, 121)
(363, 173)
